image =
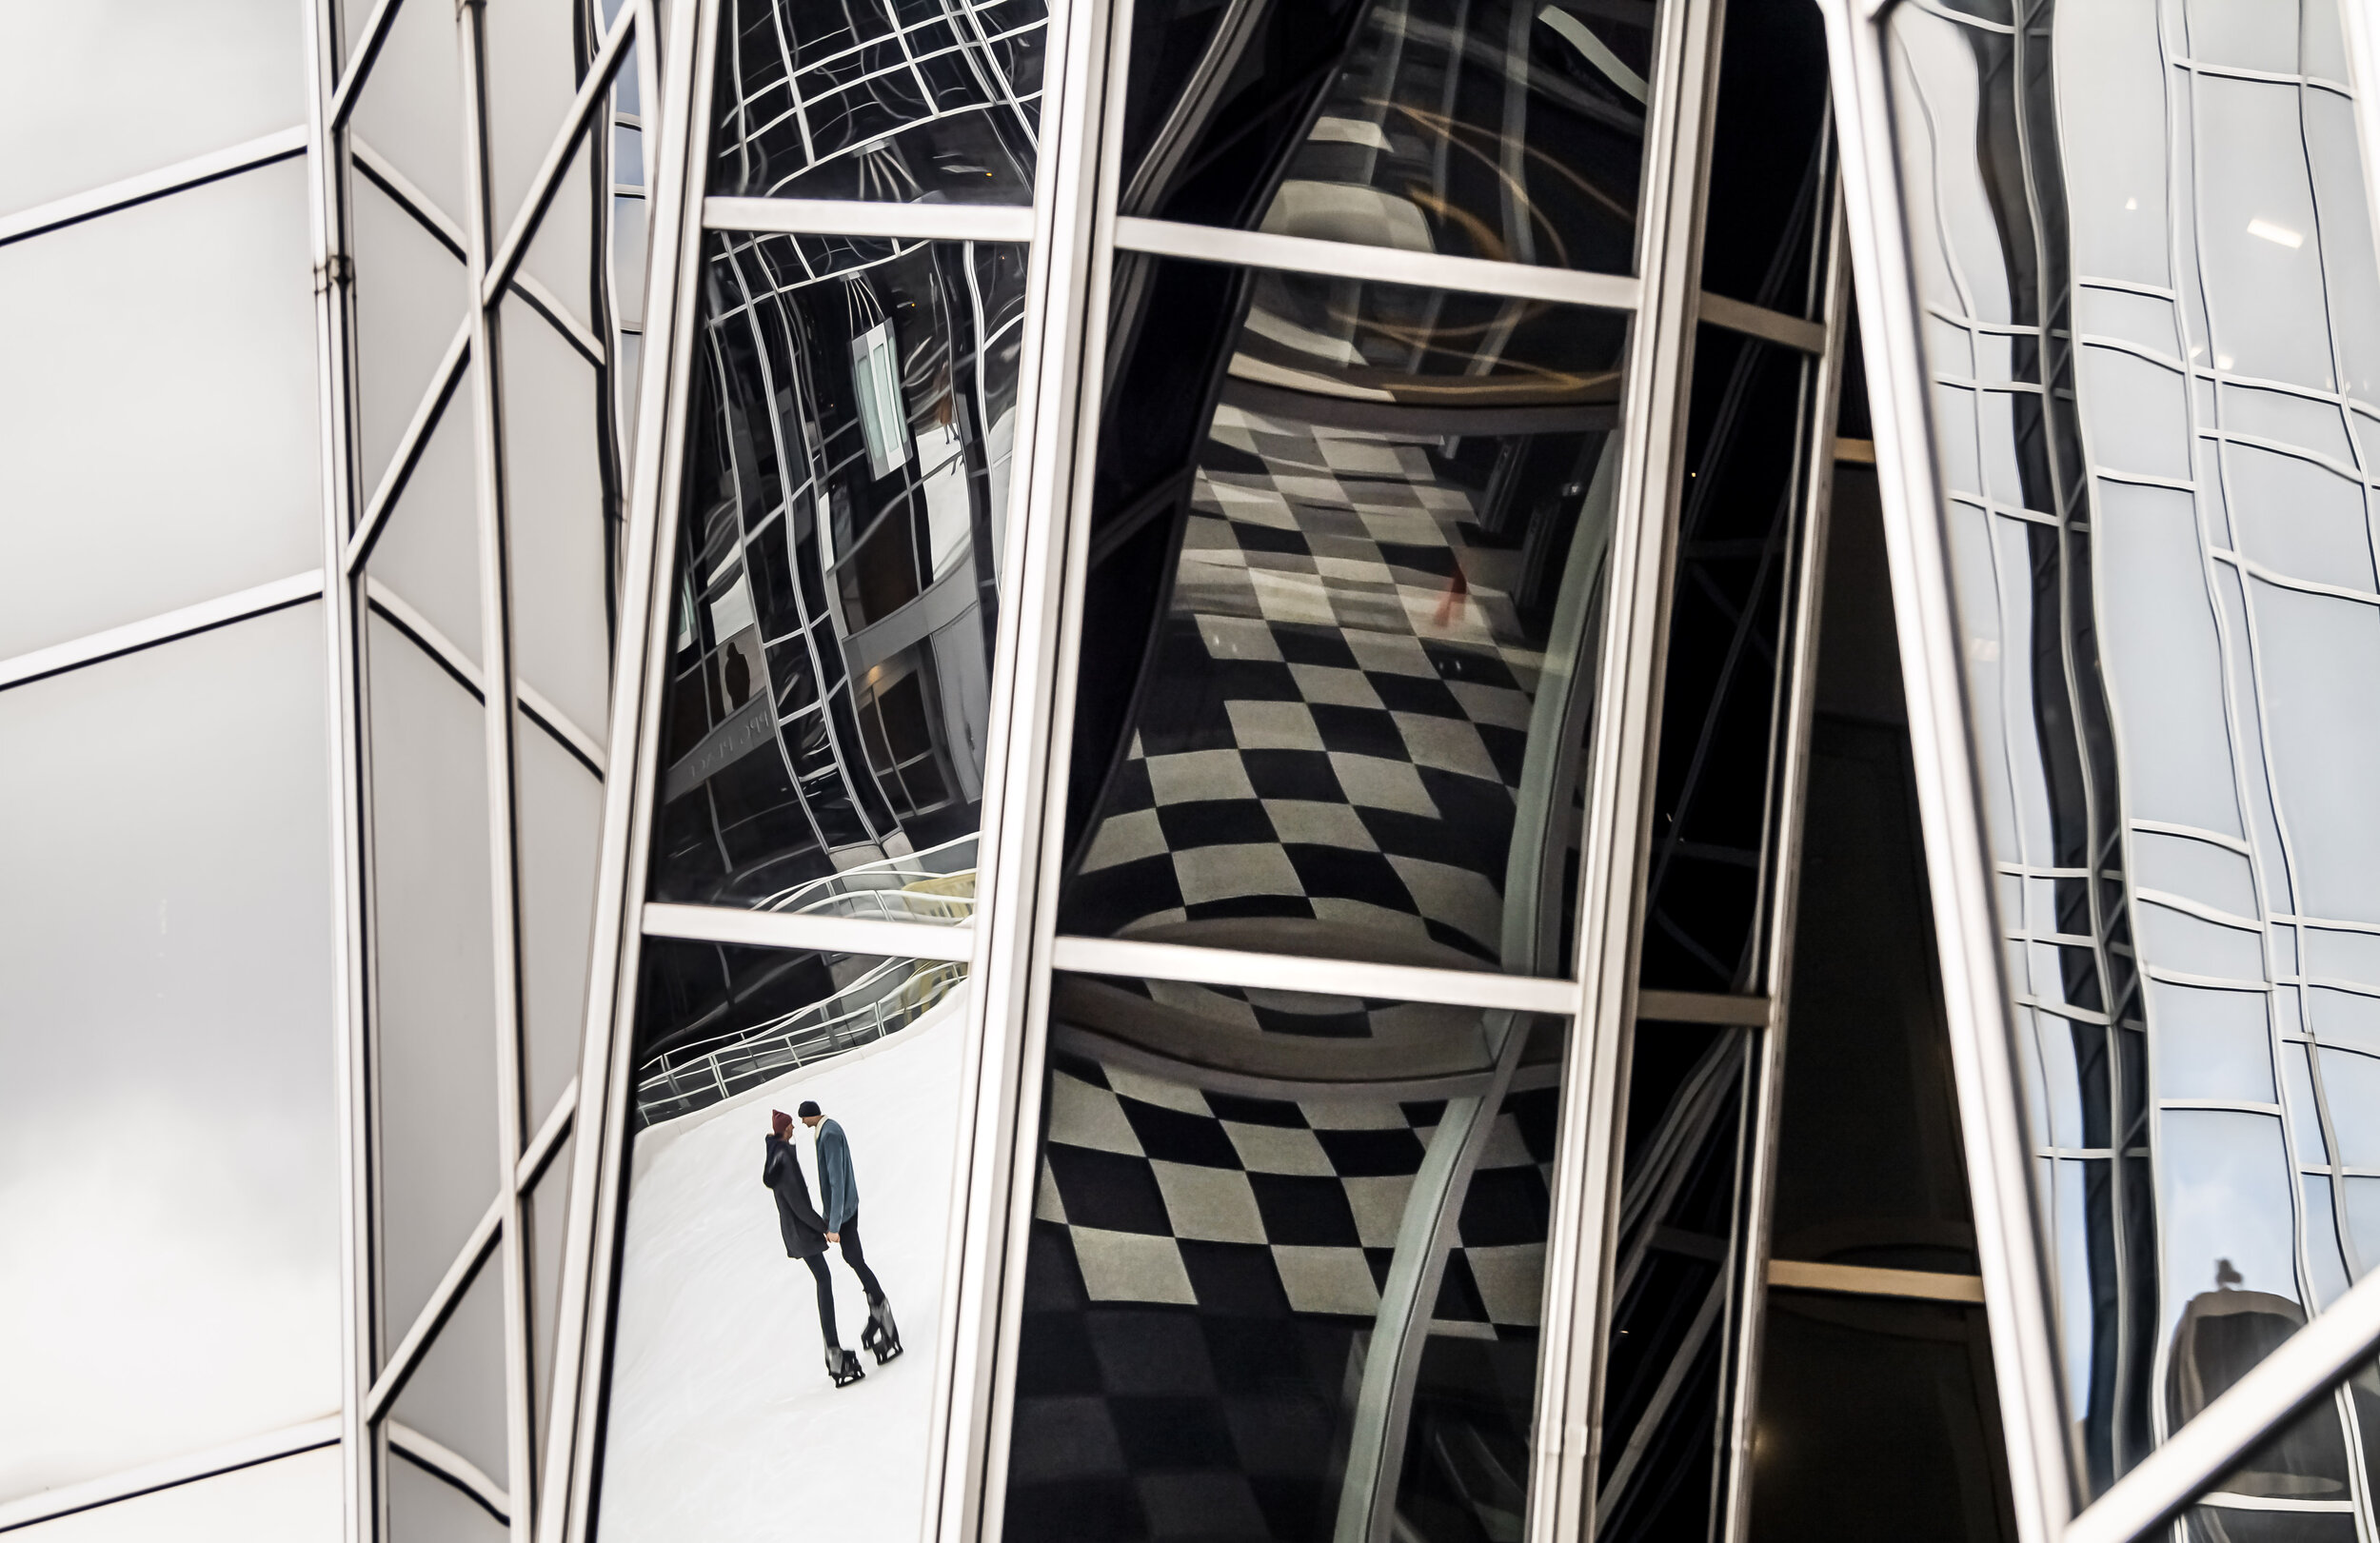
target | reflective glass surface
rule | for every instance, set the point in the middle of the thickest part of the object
(2165, 584)
(909, 102)
(1348, 545)
(1878, 1418)
(1513, 132)
(1751, 426)
(733, 1403)
(160, 439)
(170, 1172)
(204, 77)
(1285, 1268)
(837, 562)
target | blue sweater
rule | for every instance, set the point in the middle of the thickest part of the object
(838, 1186)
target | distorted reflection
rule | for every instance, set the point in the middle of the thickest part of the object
(781, 1102)
(1672, 1282)
(1512, 131)
(846, 491)
(1348, 541)
(2166, 583)
(914, 102)
(1286, 1267)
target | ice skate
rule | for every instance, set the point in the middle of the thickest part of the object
(881, 1335)
(842, 1366)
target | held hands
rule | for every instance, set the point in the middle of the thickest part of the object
(834, 1237)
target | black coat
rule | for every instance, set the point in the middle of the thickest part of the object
(804, 1229)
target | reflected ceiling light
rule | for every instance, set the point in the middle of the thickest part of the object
(2279, 235)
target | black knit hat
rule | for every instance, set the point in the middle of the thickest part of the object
(809, 1107)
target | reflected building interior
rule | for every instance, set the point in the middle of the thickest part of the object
(1446, 853)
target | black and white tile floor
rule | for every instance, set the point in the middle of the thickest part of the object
(1339, 707)
(1204, 1271)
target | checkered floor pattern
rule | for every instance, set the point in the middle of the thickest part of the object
(1203, 1273)
(1335, 723)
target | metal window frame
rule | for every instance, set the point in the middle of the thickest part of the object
(1011, 945)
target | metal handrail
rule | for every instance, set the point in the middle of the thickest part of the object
(895, 995)
(947, 870)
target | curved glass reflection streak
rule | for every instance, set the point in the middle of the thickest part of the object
(2150, 360)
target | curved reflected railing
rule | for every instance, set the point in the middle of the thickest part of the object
(882, 1001)
(936, 887)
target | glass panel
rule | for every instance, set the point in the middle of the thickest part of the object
(2140, 649)
(184, 79)
(1510, 132)
(548, 1208)
(533, 55)
(411, 297)
(1749, 423)
(427, 552)
(908, 102)
(1769, 174)
(434, 1044)
(410, 109)
(293, 1500)
(1674, 1307)
(561, 517)
(426, 1507)
(1267, 1221)
(845, 494)
(561, 834)
(455, 1393)
(734, 1364)
(172, 1156)
(1844, 1379)
(1347, 551)
(160, 439)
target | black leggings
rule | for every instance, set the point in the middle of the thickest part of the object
(852, 1255)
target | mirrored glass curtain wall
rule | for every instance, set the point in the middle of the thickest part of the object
(1183, 701)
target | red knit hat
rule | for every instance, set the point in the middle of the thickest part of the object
(780, 1121)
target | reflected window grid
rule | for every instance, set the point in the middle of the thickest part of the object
(2152, 892)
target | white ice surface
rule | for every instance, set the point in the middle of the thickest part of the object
(722, 1423)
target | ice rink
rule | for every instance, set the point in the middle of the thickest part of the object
(722, 1424)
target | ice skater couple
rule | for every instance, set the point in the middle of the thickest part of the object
(808, 1234)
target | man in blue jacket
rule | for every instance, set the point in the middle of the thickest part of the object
(838, 1187)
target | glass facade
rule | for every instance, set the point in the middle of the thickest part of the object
(1411, 771)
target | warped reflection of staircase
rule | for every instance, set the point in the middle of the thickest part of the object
(872, 998)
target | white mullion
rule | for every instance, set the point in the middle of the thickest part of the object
(1382, 265)
(1482, 988)
(134, 635)
(1058, 395)
(279, 146)
(675, 159)
(1582, 1238)
(502, 727)
(334, 380)
(860, 217)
